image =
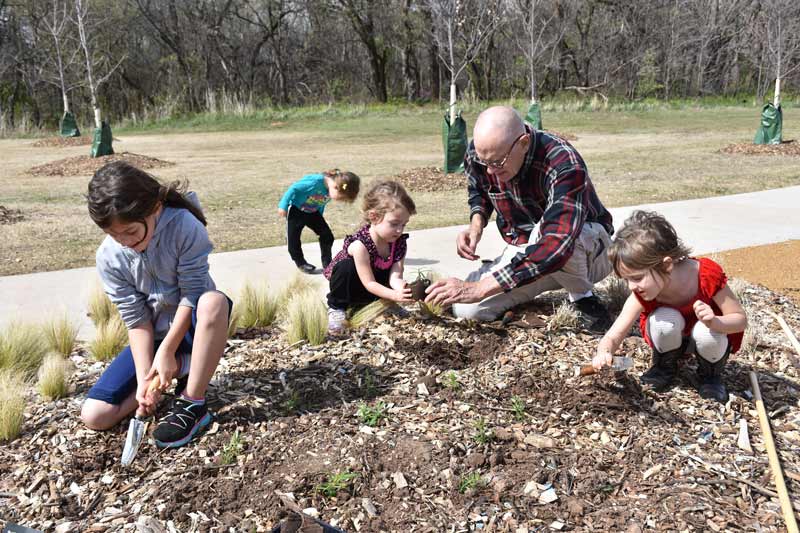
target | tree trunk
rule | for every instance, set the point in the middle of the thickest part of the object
(452, 101)
(777, 100)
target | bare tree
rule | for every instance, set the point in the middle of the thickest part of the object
(780, 29)
(536, 17)
(94, 60)
(460, 29)
(62, 58)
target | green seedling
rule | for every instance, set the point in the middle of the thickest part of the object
(451, 381)
(483, 435)
(473, 480)
(232, 450)
(336, 483)
(518, 408)
(291, 404)
(372, 416)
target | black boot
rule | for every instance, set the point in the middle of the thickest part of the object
(710, 374)
(665, 366)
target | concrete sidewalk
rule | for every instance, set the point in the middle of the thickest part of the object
(707, 225)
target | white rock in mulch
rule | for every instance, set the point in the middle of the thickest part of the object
(548, 496)
(399, 480)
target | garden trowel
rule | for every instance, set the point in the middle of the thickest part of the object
(619, 363)
(137, 429)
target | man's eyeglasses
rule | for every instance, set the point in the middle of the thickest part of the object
(501, 163)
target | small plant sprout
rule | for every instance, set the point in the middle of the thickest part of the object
(336, 483)
(372, 416)
(100, 308)
(368, 313)
(451, 381)
(232, 450)
(61, 333)
(430, 309)
(12, 404)
(306, 318)
(54, 376)
(518, 408)
(291, 404)
(564, 317)
(109, 339)
(257, 306)
(22, 348)
(473, 480)
(483, 435)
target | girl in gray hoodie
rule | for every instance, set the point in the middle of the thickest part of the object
(153, 265)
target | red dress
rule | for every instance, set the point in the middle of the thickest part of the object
(711, 279)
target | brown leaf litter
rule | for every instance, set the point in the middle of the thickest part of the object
(430, 179)
(785, 148)
(484, 427)
(85, 165)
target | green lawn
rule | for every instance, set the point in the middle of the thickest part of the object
(240, 166)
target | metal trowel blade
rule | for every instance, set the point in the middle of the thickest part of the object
(621, 363)
(136, 431)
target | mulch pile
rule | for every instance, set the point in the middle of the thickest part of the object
(480, 427)
(430, 179)
(785, 148)
(9, 216)
(61, 142)
(87, 165)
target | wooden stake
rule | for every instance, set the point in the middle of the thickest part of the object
(786, 330)
(774, 462)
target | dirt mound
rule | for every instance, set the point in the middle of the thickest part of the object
(9, 216)
(86, 165)
(785, 148)
(62, 142)
(430, 179)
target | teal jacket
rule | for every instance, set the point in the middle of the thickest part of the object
(308, 194)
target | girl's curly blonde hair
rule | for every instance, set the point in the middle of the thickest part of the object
(384, 196)
(347, 183)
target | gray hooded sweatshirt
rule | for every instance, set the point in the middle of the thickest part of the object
(172, 271)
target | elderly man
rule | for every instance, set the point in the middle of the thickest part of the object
(548, 212)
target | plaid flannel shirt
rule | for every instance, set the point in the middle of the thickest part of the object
(552, 189)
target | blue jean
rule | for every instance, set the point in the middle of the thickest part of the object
(119, 379)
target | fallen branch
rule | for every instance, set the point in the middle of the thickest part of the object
(785, 327)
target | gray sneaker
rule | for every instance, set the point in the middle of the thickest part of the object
(336, 321)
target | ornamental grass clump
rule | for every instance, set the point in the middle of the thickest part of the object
(564, 317)
(12, 404)
(257, 306)
(54, 376)
(109, 339)
(428, 308)
(298, 284)
(100, 308)
(60, 333)
(22, 348)
(306, 318)
(368, 313)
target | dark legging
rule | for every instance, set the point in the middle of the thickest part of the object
(346, 287)
(295, 222)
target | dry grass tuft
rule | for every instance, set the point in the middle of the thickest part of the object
(565, 316)
(12, 404)
(61, 333)
(430, 309)
(109, 339)
(615, 292)
(306, 318)
(298, 284)
(257, 306)
(369, 313)
(54, 376)
(100, 308)
(22, 348)
(739, 288)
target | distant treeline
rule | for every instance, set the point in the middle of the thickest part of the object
(161, 58)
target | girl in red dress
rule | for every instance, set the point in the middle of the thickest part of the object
(683, 304)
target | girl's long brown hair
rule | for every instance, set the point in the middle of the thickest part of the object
(643, 242)
(120, 191)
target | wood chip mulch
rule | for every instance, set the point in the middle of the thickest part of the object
(62, 142)
(480, 427)
(785, 148)
(430, 179)
(10, 216)
(85, 165)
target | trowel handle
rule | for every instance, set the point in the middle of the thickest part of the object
(587, 370)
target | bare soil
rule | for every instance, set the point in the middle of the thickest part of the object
(773, 265)
(785, 148)
(430, 179)
(84, 165)
(484, 428)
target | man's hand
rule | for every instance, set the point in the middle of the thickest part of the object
(468, 239)
(282, 212)
(453, 291)
(704, 313)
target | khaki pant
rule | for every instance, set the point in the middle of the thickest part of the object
(588, 264)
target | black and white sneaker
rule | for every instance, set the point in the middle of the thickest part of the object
(306, 268)
(183, 421)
